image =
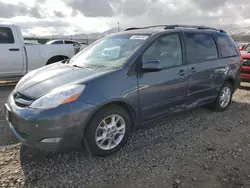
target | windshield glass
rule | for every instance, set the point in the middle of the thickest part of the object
(247, 48)
(112, 51)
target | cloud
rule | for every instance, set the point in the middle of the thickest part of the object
(134, 7)
(92, 8)
(35, 12)
(59, 14)
(41, 1)
(12, 10)
(102, 15)
(209, 4)
(8, 10)
(44, 27)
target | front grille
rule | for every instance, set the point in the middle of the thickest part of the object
(22, 100)
(245, 72)
(246, 62)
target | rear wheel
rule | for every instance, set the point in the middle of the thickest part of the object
(223, 99)
(108, 131)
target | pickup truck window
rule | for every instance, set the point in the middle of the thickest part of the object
(6, 36)
(69, 42)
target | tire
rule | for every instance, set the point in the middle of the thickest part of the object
(97, 129)
(217, 104)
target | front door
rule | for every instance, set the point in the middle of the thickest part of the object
(164, 91)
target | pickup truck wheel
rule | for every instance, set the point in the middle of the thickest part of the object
(223, 99)
(108, 131)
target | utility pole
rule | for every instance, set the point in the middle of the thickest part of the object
(118, 26)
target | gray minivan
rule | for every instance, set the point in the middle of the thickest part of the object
(120, 82)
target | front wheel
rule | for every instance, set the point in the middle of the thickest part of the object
(108, 131)
(224, 98)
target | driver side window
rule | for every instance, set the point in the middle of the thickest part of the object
(166, 49)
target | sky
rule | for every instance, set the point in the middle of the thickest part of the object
(69, 17)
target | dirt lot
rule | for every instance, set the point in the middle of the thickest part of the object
(196, 149)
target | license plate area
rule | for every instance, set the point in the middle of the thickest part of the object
(7, 113)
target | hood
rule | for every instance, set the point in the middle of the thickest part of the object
(245, 54)
(41, 81)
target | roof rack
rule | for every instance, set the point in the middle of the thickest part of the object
(194, 27)
(132, 28)
(176, 26)
(147, 27)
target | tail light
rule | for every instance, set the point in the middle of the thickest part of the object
(241, 60)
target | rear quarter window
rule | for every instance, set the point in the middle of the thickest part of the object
(226, 45)
(200, 47)
(6, 36)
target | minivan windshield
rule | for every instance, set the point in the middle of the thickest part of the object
(112, 51)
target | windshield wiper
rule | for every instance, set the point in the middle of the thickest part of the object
(82, 67)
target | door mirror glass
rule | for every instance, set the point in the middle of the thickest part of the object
(152, 65)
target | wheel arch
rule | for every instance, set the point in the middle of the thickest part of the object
(125, 105)
(231, 80)
(60, 57)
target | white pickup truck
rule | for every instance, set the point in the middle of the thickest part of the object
(17, 59)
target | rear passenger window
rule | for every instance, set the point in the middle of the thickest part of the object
(58, 42)
(6, 36)
(226, 45)
(200, 47)
(69, 42)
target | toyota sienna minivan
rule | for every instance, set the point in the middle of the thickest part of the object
(119, 83)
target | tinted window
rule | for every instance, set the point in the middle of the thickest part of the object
(6, 36)
(247, 48)
(226, 45)
(200, 47)
(69, 42)
(58, 42)
(167, 49)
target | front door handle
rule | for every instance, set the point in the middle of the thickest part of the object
(182, 72)
(193, 69)
(14, 49)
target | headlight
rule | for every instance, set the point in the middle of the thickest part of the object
(56, 97)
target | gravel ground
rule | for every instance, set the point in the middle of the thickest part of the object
(198, 148)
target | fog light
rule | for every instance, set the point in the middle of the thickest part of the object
(51, 140)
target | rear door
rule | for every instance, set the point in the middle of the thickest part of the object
(164, 91)
(230, 56)
(11, 56)
(203, 60)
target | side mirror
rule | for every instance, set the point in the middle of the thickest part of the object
(151, 65)
(241, 48)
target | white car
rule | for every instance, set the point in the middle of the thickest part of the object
(77, 45)
(17, 59)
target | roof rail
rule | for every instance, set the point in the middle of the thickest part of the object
(132, 28)
(194, 27)
(175, 26)
(147, 27)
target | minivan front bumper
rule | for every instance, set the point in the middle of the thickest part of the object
(59, 129)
